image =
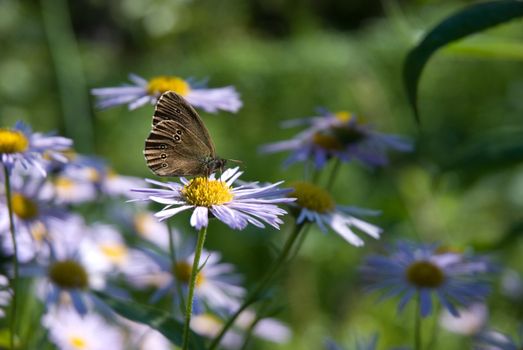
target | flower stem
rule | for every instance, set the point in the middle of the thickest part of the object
(172, 256)
(12, 321)
(192, 283)
(334, 173)
(417, 324)
(254, 294)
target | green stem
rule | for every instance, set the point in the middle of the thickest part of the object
(172, 255)
(417, 324)
(192, 283)
(334, 173)
(12, 321)
(254, 294)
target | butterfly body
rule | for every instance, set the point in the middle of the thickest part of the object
(179, 143)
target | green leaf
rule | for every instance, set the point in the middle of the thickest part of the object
(491, 152)
(470, 20)
(160, 320)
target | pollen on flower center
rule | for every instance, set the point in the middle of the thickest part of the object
(343, 116)
(12, 141)
(161, 84)
(182, 271)
(425, 274)
(203, 192)
(312, 197)
(78, 342)
(68, 274)
(24, 207)
(114, 252)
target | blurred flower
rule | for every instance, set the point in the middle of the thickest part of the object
(338, 135)
(209, 326)
(70, 331)
(149, 228)
(142, 92)
(316, 205)
(494, 340)
(104, 250)
(34, 212)
(146, 338)
(217, 286)
(85, 182)
(421, 270)
(64, 278)
(20, 145)
(234, 206)
(470, 321)
(512, 284)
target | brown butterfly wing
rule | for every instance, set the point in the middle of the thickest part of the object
(171, 106)
(172, 149)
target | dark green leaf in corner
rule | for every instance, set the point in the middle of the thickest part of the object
(171, 328)
(470, 20)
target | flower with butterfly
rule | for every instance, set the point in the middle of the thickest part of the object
(180, 145)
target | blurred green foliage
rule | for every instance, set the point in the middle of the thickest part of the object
(287, 58)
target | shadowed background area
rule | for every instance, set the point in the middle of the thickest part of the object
(286, 59)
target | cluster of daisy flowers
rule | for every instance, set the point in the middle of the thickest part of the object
(70, 258)
(79, 243)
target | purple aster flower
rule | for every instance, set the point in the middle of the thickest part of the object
(494, 340)
(210, 197)
(217, 285)
(338, 135)
(314, 204)
(64, 278)
(422, 271)
(20, 146)
(35, 212)
(144, 91)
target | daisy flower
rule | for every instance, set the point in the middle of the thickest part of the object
(105, 250)
(34, 212)
(143, 91)
(314, 204)
(494, 340)
(79, 183)
(208, 325)
(70, 331)
(217, 285)
(471, 320)
(64, 278)
(234, 206)
(147, 226)
(20, 146)
(338, 135)
(421, 271)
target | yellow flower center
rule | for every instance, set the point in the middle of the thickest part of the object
(64, 183)
(93, 174)
(12, 141)
(203, 192)
(425, 274)
(312, 197)
(115, 252)
(38, 231)
(161, 84)
(24, 207)
(327, 141)
(343, 116)
(78, 342)
(68, 274)
(182, 271)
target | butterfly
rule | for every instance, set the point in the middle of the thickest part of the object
(179, 143)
